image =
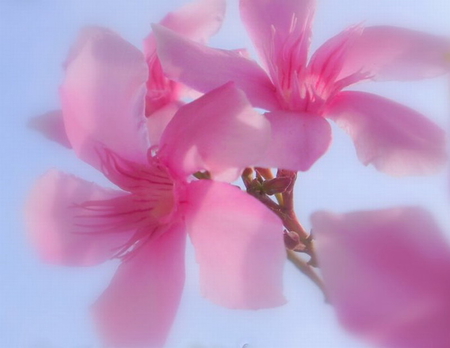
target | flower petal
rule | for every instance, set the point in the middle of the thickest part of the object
(330, 59)
(198, 20)
(103, 97)
(395, 139)
(387, 274)
(281, 32)
(219, 132)
(204, 68)
(62, 230)
(391, 53)
(297, 140)
(139, 306)
(51, 125)
(239, 246)
(158, 120)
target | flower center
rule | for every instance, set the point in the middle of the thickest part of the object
(148, 206)
(307, 87)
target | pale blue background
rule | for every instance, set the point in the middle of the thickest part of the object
(47, 307)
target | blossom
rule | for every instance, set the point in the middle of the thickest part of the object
(197, 21)
(298, 92)
(156, 202)
(387, 274)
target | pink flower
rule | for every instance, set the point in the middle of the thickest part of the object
(298, 93)
(238, 241)
(387, 274)
(197, 21)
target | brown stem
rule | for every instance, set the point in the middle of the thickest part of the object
(288, 194)
(285, 210)
(264, 172)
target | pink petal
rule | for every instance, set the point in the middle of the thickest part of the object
(219, 132)
(204, 68)
(387, 274)
(395, 139)
(297, 140)
(158, 120)
(198, 20)
(103, 97)
(63, 231)
(51, 125)
(329, 61)
(390, 53)
(281, 32)
(239, 246)
(139, 306)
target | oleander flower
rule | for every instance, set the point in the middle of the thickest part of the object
(157, 201)
(387, 274)
(299, 93)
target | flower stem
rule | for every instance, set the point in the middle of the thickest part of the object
(307, 270)
(284, 208)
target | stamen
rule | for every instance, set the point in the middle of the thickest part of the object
(132, 177)
(146, 207)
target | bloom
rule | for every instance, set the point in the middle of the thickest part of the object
(238, 241)
(298, 93)
(387, 274)
(198, 21)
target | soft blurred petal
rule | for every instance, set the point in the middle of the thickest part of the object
(280, 30)
(387, 274)
(239, 246)
(51, 125)
(395, 139)
(103, 97)
(391, 53)
(64, 232)
(139, 306)
(204, 68)
(219, 132)
(198, 20)
(297, 140)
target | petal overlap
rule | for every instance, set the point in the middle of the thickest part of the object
(221, 139)
(205, 68)
(197, 21)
